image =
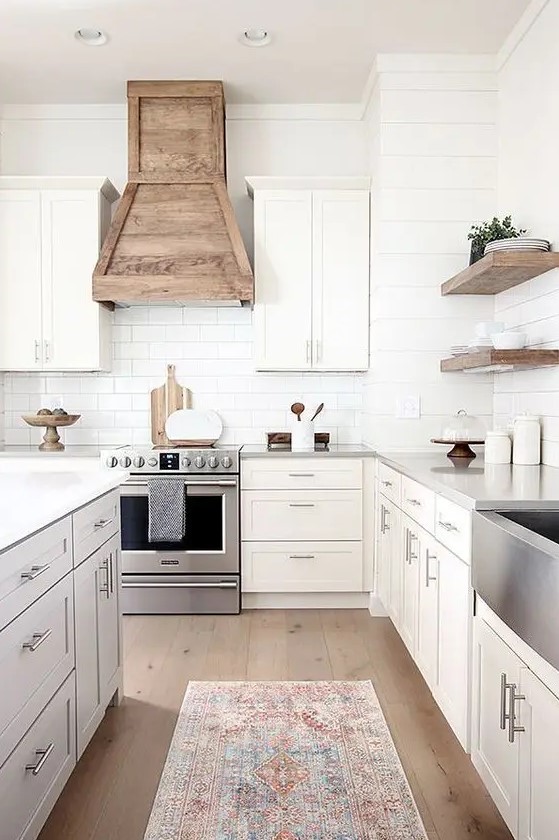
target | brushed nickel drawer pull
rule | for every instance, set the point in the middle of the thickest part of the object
(39, 639)
(43, 757)
(387, 483)
(503, 717)
(301, 475)
(302, 557)
(448, 526)
(513, 728)
(412, 554)
(384, 523)
(102, 523)
(414, 502)
(428, 576)
(301, 504)
(35, 571)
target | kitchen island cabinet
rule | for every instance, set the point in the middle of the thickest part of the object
(60, 640)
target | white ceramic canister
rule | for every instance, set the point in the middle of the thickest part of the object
(498, 447)
(302, 436)
(526, 447)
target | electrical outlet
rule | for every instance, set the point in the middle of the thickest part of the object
(409, 407)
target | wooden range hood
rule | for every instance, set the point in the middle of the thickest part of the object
(174, 236)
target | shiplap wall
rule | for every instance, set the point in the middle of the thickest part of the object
(528, 179)
(211, 347)
(433, 142)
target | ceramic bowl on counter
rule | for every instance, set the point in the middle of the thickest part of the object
(511, 340)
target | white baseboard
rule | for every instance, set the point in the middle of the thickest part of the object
(376, 608)
(305, 600)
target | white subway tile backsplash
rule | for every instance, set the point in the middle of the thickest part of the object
(199, 316)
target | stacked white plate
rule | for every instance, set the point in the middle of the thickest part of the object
(519, 243)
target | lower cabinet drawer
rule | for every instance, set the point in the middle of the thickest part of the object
(453, 527)
(306, 567)
(418, 502)
(318, 515)
(36, 656)
(33, 776)
(94, 524)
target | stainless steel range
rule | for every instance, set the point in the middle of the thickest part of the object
(201, 574)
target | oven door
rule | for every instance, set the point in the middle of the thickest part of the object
(211, 544)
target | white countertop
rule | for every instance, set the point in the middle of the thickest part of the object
(36, 492)
(481, 486)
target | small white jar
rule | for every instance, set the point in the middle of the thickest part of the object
(526, 447)
(302, 436)
(498, 447)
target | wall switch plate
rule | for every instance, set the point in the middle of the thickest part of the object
(408, 408)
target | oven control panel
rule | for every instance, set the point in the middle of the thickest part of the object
(207, 460)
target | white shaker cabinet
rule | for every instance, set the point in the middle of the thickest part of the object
(495, 757)
(97, 637)
(51, 230)
(311, 246)
(538, 713)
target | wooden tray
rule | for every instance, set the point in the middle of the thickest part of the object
(282, 440)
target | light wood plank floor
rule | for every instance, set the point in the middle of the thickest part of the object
(110, 794)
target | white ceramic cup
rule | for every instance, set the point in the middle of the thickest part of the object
(302, 436)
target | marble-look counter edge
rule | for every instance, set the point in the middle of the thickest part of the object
(47, 497)
(480, 495)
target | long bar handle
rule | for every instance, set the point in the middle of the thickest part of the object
(187, 483)
(39, 639)
(428, 576)
(513, 728)
(301, 504)
(412, 554)
(101, 523)
(301, 475)
(448, 526)
(224, 584)
(44, 754)
(503, 717)
(301, 556)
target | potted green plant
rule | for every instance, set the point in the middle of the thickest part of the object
(481, 235)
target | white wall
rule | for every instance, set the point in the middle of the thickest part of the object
(432, 134)
(211, 347)
(529, 189)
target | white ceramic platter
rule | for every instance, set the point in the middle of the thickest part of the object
(191, 427)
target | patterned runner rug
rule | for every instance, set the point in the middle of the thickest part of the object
(283, 761)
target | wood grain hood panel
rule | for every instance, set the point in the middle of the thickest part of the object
(174, 236)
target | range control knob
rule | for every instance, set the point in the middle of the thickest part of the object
(125, 461)
(226, 462)
(152, 462)
(111, 461)
(185, 462)
(138, 461)
(199, 462)
(213, 462)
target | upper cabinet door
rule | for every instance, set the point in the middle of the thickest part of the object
(72, 321)
(282, 258)
(341, 279)
(20, 280)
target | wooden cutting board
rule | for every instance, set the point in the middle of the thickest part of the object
(164, 400)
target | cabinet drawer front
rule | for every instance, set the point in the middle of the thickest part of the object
(32, 567)
(36, 648)
(419, 503)
(306, 567)
(453, 527)
(389, 482)
(33, 776)
(312, 515)
(94, 524)
(320, 473)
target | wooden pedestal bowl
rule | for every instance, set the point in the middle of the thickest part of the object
(51, 438)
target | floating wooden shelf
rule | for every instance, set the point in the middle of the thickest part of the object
(488, 358)
(500, 270)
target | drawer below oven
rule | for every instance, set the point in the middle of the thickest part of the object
(181, 594)
(181, 562)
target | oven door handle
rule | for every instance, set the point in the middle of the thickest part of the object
(231, 483)
(223, 584)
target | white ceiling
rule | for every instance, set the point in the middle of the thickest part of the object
(322, 50)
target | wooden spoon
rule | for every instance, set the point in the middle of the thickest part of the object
(298, 408)
(317, 412)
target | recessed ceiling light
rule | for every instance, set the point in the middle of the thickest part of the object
(255, 38)
(91, 37)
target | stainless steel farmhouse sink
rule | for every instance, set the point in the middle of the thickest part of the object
(515, 570)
